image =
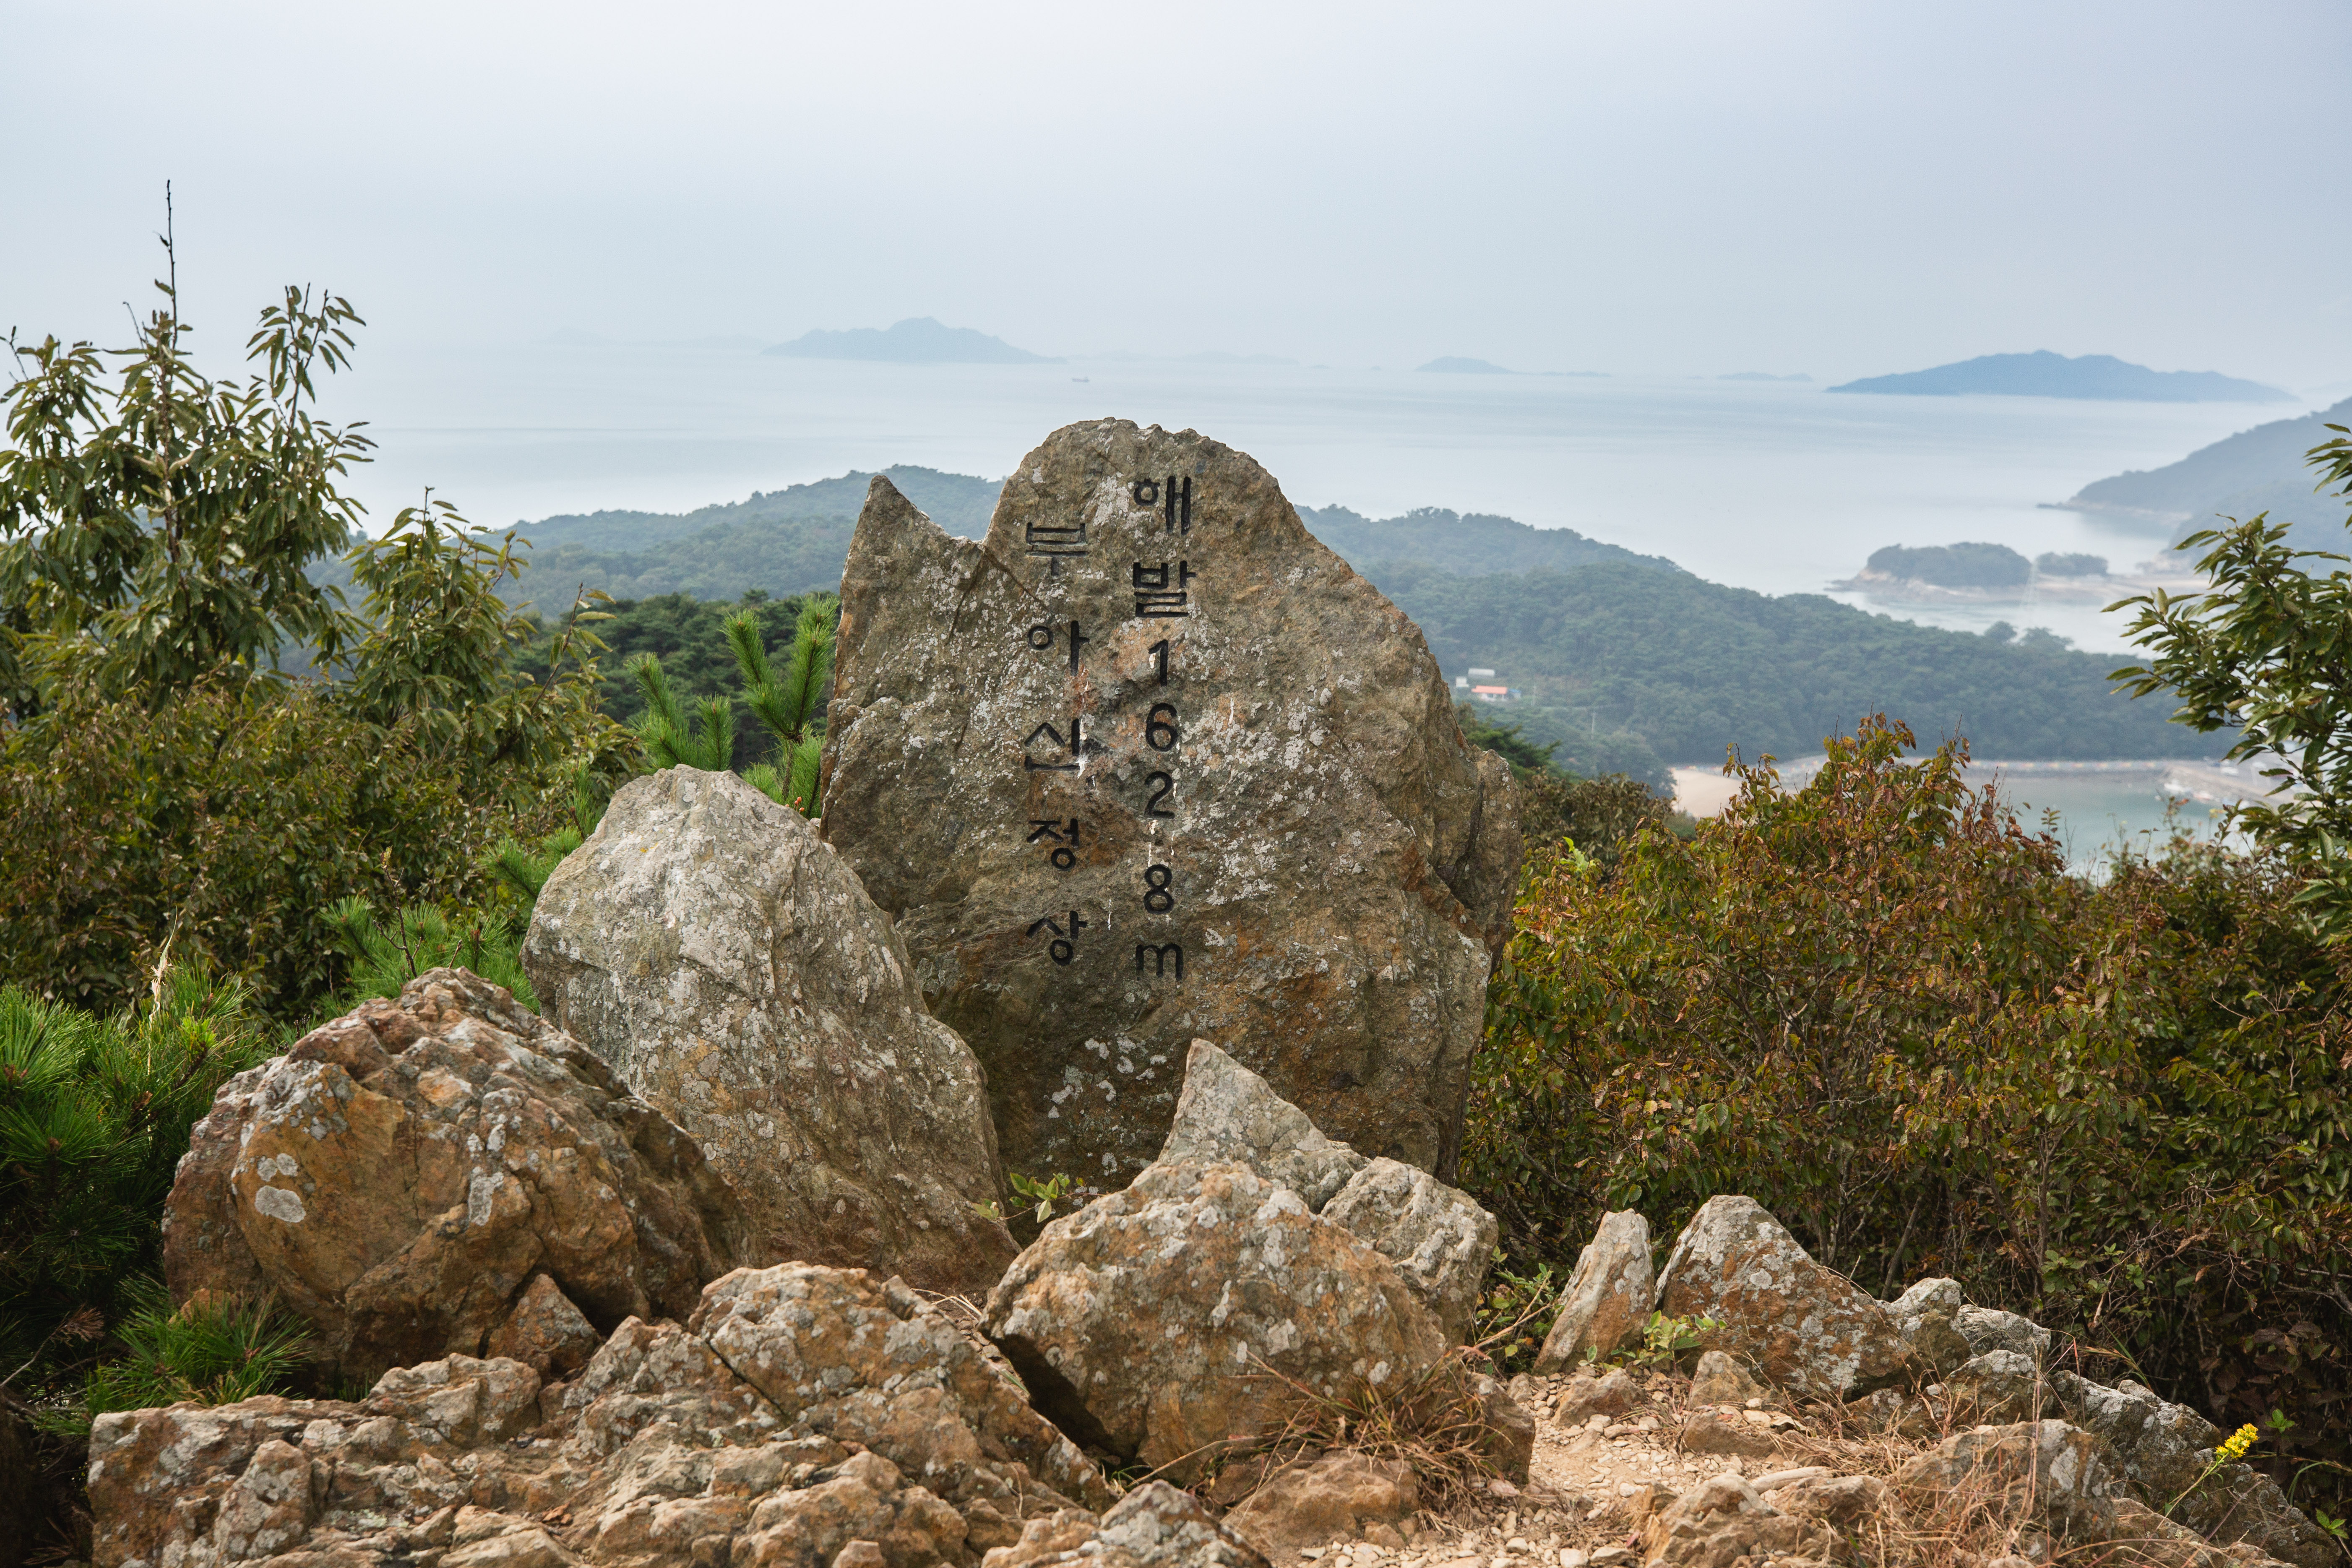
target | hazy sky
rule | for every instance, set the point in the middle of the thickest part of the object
(1686, 188)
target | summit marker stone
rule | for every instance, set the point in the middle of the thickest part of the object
(1150, 765)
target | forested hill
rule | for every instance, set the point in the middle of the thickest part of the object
(1634, 669)
(794, 541)
(2261, 470)
(1471, 544)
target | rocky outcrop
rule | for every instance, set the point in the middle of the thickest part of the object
(802, 1416)
(1151, 764)
(1439, 1238)
(1607, 1298)
(1986, 1329)
(725, 960)
(1926, 1316)
(1228, 1113)
(2046, 1471)
(2163, 1450)
(1800, 1326)
(1154, 1526)
(424, 1175)
(1145, 1323)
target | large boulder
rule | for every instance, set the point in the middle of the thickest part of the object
(800, 1413)
(423, 1175)
(1802, 1327)
(712, 948)
(1439, 1238)
(1607, 1301)
(1160, 1321)
(1150, 765)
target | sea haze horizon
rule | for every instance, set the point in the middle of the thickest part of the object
(1769, 486)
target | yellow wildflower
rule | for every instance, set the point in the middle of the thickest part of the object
(2233, 1448)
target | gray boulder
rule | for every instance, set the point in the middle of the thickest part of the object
(2162, 1449)
(1607, 1298)
(1802, 1327)
(2000, 1388)
(1925, 1315)
(1986, 1329)
(1150, 765)
(1439, 1238)
(712, 948)
(1228, 1113)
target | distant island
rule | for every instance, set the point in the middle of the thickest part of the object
(1454, 365)
(2256, 470)
(2046, 374)
(1762, 375)
(918, 339)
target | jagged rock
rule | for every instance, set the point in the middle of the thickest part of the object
(1439, 1238)
(2162, 1449)
(1611, 1393)
(1154, 1526)
(1802, 1327)
(719, 954)
(545, 1331)
(802, 1410)
(1143, 1323)
(1924, 1316)
(2000, 1388)
(1331, 1498)
(1227, 1112)
(1721, 1520)
(1986, 1330)
(1126, 777)
(1607, 1298)
(1720, 1379)
(400, 1174)
(2046, 1471)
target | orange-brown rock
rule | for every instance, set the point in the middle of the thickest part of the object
(804, 1411)
(1802, 1327)
(1147, 1323)
(402, 1174)
(1148, 764)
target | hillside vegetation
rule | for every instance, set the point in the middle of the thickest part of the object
(2256, 470)
(1633, 671)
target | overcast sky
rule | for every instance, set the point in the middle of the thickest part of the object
(1683, 188)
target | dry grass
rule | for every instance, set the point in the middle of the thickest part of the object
(1437, 1423)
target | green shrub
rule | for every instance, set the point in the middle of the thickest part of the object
(206, 1352)
(1884, 1011)
(94, 1116)
(386, 954)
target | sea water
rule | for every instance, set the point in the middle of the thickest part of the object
(1783, 488)
(1777, 486)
